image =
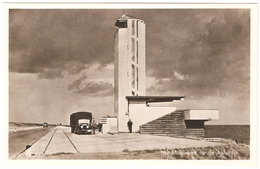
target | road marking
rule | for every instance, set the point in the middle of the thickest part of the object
(49, 142)
(71, 142)
(60, 143)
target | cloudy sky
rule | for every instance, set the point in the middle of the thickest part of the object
(61, 61)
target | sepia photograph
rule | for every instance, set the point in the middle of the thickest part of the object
(131, 82)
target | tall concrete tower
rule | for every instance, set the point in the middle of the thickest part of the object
(129, 61)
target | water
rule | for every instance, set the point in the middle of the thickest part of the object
(241, 133)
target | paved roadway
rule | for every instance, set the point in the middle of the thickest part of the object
(60, 140)
(25, 136)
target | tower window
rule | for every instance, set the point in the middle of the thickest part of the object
(133, 49)
(137, 52)
(137, 28)
(133, 76)
(133, 27)
(137, 78)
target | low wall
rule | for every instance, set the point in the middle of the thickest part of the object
(201, 114)
(110, 125)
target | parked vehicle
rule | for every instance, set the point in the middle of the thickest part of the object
(80, 122)
(45, 124)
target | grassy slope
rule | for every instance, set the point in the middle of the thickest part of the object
(231, 151)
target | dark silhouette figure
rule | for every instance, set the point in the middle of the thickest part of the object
(129, 124)
(100, 127)
(94, 126)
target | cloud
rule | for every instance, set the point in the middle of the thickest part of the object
(74, 67)
(216, 57)
(91, 88)
(211, 47)
(49, 39)
(178, 76)
(97, 89)
(50, 73)
(76, 84)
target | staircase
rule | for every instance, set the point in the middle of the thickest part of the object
(171, 124)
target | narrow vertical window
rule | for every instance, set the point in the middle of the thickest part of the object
(133, 27)
(133, 76)
(137, 78)
(137, 52)
(137, 28)
(133, 49)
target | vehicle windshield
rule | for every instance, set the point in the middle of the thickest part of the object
(83, 124)
(84, 121)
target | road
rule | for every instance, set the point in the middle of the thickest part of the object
(19, 139)
(61, 141)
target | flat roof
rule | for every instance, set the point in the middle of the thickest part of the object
(192, 109)
(120, 22)
(108, 117)
(154, 98)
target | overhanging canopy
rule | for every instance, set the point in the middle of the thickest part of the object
(150, 99)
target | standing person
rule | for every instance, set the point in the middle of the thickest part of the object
(130, 123)
(99, 127)
(94, 126)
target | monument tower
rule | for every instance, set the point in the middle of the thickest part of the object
(129, 58)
